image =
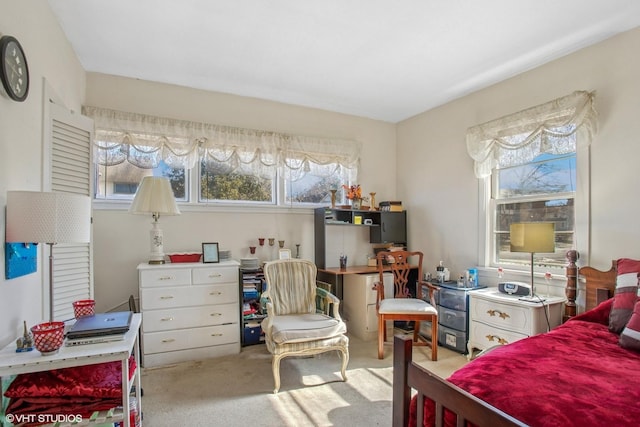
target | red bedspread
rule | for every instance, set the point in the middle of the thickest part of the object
(575, 375)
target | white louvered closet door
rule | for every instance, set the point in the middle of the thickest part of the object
(71, 169)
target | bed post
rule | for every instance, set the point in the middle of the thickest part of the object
(572, 284)
(402, 356)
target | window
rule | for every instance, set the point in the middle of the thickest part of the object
(531, 165)
(542, 190)
(222, 164)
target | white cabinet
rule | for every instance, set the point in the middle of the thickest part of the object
(189, 311)
(497, 319)
(359, 303)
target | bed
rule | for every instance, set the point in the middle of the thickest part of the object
(584, 372)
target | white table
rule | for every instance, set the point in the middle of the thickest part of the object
(12, 363)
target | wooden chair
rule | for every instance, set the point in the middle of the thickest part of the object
(302, 319)
(403, 306)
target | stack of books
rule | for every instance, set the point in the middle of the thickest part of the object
(391, 206)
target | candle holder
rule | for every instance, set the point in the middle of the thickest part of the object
(281, 243)
(252, 249)
(297, 250)
(261, 241)
(272, 241)
(333, 198)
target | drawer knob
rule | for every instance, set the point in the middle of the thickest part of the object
(215, 293)
(215, 314)
(216, 335)
(500, 340)
(165, 278)
(499, 313)
(215, 275)
(167, 297)
(168, 340)
(167, 319)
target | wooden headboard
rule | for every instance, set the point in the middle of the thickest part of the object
(600, 285)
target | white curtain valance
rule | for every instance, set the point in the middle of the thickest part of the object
(146, 140)
(519, 138)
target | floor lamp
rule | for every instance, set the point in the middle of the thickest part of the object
(155, 197)
(532, 237)
(48, 217)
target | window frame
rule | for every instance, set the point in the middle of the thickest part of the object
(582, 200)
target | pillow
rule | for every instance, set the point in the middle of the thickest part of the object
(630, 336)
(625, 294)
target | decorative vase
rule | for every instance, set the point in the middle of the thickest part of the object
(356, 204)
(333, 198)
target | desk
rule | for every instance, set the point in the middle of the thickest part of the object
(334, 275)
(12, 363)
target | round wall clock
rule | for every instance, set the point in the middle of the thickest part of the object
(14, 72)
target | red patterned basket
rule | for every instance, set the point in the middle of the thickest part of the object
(84, 307)
(48, 337)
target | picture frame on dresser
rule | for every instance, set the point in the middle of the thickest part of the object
(210, 253)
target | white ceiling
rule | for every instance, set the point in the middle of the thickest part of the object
(381, 59)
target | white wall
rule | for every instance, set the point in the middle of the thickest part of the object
(50, 57)
(435, 174)
(121, 240)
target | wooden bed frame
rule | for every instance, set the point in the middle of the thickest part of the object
(599, 285)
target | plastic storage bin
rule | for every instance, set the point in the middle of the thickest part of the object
(455, 340)
(452, 318)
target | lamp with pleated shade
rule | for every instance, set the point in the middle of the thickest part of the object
(155, 197)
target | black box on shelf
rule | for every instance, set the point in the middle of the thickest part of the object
(253, 333)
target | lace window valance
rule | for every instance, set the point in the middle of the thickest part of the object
(519, 138)
(144, 141)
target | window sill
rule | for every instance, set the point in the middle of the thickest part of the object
(118, 205)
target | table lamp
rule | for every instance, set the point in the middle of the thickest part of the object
(48, 217)
(533, 237)
(155, 197)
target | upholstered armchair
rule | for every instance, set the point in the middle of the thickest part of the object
(302, 319)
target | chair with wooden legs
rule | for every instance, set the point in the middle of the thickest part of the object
(403, 306)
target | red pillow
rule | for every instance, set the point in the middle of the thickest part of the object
(625, 294)
(630, 336)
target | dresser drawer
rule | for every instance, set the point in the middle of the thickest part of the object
(485, 336)
(165, 277)
(158, 342)
(172, 297)
(204, 276)
(190, 317)
(506, 316)
(452, 318)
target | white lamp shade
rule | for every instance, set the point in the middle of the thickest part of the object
(48, 217)
(154, 196)
(533, 237)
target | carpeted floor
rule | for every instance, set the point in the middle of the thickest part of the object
(238, 390)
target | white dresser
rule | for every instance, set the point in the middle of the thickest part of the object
(497, 319)
(189, 311)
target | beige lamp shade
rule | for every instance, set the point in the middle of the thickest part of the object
(533, 237)
(154, 196)
(48, 217)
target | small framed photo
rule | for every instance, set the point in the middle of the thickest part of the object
(284, 254)
(210, 252)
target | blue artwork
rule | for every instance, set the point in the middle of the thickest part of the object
(20, 259)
